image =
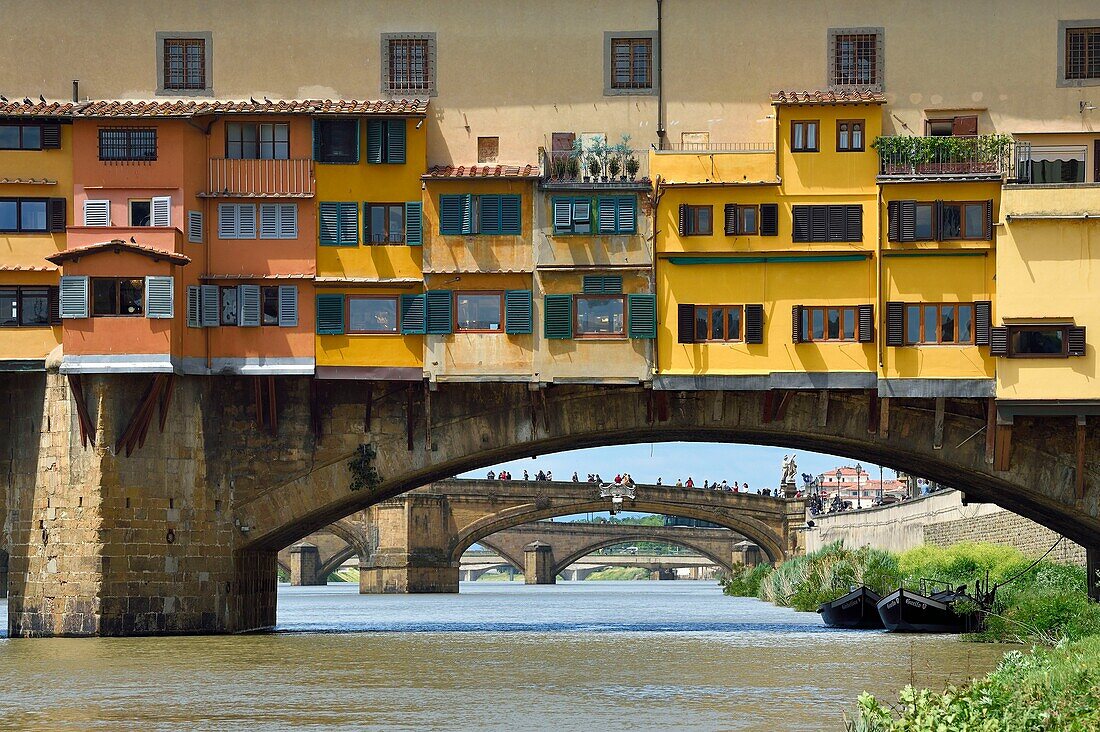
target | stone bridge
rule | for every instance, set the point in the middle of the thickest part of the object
(660, 566)
(134, 506)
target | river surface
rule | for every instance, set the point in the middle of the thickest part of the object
(576, 656)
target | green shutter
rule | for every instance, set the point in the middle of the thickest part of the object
(517, 312)
(510, 215)
(316, 141)
(626, 221)
(557, 316)
(489, 215)
(374, 140)
(330, 314)
(438, 317)
(395, 141)
(602, 284)
(414, 224)
(412, 314)
(357, 136)
(563, 215)
(467, 213)
(606, 215)
(450, 215)
(329, 222)
(641, 316)
(348, 223)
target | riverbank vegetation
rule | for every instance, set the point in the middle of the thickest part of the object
(617, 574)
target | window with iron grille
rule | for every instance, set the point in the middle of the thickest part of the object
(856, 58)
(184, 63)
(1082, 53)
(128, 143)
(631, 63)
(408, 67)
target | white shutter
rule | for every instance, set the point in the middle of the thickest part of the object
(246, 221)
(194, 227)
(97, 213)
(288, 221)
(248, 305)
(161, 211)
(227, 221)
(74, 297)
(210, 310)
(563, 214)
(194, 319)
(159, 300)
(582, 210)
(288, 306)
(269, 221)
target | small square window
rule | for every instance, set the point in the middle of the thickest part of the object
(488, 148)
(804, 136)
(849, 135)
(629, 62)
(1082, 60)
(183, 62)
(697, 221)
(856, 58)
(338, 141)
(140, 213)
(368, 314)
(408, 64)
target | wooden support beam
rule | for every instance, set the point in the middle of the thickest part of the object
(990, 429)
(136, 429)
(884, 417)
(315, 409)
(272, 406)
(166, 400)
(768, 409)
(662, 406)
(1079, 483)
(785, 397)
(367, 408)
(823, 408)
(545, 411)
(718, 407)
(872, 411)
(1003, 457)
(937, 426)
(87, 430)
(257, 391)
(410, 421)
(650, 406)
(428, 417)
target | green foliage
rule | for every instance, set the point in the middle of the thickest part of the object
(363, 472)
(1055, 690)
(616, 574)
(746, 581)
(911, 152)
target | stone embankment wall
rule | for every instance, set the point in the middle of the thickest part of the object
(940, 519)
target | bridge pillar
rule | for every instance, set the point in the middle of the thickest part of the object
(538, 564)
(1092, 571)
(411, 556)
(3, 574)
(305, 566)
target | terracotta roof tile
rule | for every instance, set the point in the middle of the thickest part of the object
(248, 276)
(26, 268)
(481, 171)
(36, 109)
(29, 181)
(191, 108)
(828, 97)
(115, 245)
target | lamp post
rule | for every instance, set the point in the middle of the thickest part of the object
(839, 475)
(859, 470)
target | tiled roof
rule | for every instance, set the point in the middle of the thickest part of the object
(246, 276)
(191, 108)
(116, 245)
(36, 109)
(29, 181)
(481, 171)
(26, 268)
(828, 97)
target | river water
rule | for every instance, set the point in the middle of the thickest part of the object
(584, 656)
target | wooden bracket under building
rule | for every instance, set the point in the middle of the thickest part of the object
(884, 417)
(315, 409)
(1002, 451)
(1079, 483)
(367, 407)
(410, 416)
(159, 391)
(657, 409)
(872, 411)
(775, 404)
(87, 429)
(823, 408)
(937, 425)
(267, 408)
(428, 416)
(990, 429)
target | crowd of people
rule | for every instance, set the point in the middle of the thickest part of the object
(624, 478)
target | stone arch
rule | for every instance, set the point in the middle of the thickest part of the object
(333, 563)
(575, 557)
(515, 562)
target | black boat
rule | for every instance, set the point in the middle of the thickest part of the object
(906, 611)
(856, 610)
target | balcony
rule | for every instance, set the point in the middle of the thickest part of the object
(982, 157)
(715, 163)
(598, 168)
(231, 178)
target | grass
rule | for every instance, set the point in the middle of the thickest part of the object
(617, 574)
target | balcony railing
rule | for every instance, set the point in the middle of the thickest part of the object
(231, 178)
(979, 157)
(718, 147)
(608, 167)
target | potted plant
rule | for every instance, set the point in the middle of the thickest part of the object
(573, 167)
(576, 158)
(622, 154)
(614, 166)
(560, 167)
(597, 152)
(632, 166)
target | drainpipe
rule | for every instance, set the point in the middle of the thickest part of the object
(879, 306)
(660, 78)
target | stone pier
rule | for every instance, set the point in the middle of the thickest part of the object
(412, 555)
(538, 564)
(305, 565)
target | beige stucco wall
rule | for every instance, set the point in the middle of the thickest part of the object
(522, 70)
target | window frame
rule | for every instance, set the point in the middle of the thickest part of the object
(692, 212)
(835, 38)
(582, 335)
(188, 80)
(164, 39)
(922, 341)
(852, 125)
(961, 205)
(19, 201)
(725, 310)
(807, 123)
(130, 211)
(1014, 328)
(633, 47)
(352, 158)
(612, 87)
(454, 301)
(128, 152)
(118, 297)
(368, 233)
(22, 126)
(806, 326)
(259, 142)
(395, 299)
(18, 291)
(390, 85)
(1065, 29)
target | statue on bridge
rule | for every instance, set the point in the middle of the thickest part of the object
(787, 478)
(622, 488)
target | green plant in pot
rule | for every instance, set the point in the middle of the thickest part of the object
(614, 166)
(632, 166)
(573, 167)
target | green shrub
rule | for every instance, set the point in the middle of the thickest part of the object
(745, 581)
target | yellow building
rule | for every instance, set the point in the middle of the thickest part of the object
(36, 191)
(368, 160)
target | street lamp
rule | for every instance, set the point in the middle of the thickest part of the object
(839, 475)
(859, 470)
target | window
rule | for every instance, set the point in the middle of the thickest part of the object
(488, 148)
(25, 214)
(741, 220)
(695, 220)
(944, 323)
(194, 227)
(229, 306)
(600, 316)
(477, 312)
(336, 140)
(126, 143)
(718, 322)
(572, 215)
(939, 220)
(339, 223)
(1082, 57)
(20, 137)
(28, 306)
(804, 136)
(121, 296)
(270, 312)
(386, 141)
(962, 221)
(236, 221)
(278, 221)
(830, 324)
(617, 215)
(827, 223)
(849, 135)
(1038, 341)
(249, 141)
(959, 126)
(385, 223)
(856, 57)
(141, 213)
(631, 63)
(923, 222)
(184, 63)
(467, 214)
(408, 66)
(368, 314)
(1057, 164)
(243, 305)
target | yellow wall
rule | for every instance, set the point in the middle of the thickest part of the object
(477, 253)
(1047, 269)
(734, 167)
(827, 170)
(360, 350)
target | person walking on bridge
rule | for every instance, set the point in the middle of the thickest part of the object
(690, 483)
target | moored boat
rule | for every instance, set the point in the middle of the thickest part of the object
(856, 610)
(906, 611)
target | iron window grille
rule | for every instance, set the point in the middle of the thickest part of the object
(409, 64)
(856, 58)
(128, 143)
(1082, 53)
(184, 63)
(631, 63)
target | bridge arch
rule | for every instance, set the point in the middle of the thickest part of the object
(515, 562)
(560, 565)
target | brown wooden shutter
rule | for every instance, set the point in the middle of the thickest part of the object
(989, 220)
(907, 221)
(893, 224)
(683, 219)
(769, 219)
(1077, 340)
(801, 231)
(964, 126)
(937, 220)
(731, 219)
(57, 214)
(819, 223)
(866, 323)
(53, 297)
(895, 324)
(754, 324)
(796, 324)
(983, 322)
(685, 323)
(998, 341)
(562, 141)
(51, 136)
(836, 227)
(853, 228)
